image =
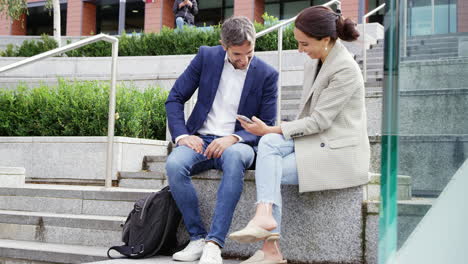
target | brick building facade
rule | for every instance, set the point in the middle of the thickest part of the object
(82, 16)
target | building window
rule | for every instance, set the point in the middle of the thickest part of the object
(41, 20)
(134, 16)
(107, 16)
(213, 12)
(284, 9)
(379, 16)
(424, 18)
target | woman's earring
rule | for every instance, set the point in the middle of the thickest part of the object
(326, 48)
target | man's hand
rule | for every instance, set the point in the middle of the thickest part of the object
(187, 2)
(193, 142)
(217, 146)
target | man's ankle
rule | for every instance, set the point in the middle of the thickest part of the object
(212, 242)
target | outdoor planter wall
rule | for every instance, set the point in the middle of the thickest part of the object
(75, 159)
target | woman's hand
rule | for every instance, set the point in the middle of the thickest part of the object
(258, 127)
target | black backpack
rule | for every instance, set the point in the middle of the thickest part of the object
(151, 227)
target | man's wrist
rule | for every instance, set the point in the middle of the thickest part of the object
(236, 138)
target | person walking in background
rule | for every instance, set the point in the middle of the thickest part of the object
(184, 12)
(327, 147)
(230, 80)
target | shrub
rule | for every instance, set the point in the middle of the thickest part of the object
(166, 42)
(80, 108)
(30, 47)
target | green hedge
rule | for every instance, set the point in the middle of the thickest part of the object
(166, 42)
(80, 108)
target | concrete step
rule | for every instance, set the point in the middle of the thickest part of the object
(451, 45)
(291, 95)
(431, 51)
(289, 113)
(154, 163)
(290, 88)
(375, 65)
(430, 57)
(289, 117)
(290, 104)
(372, 189)
(70, 229)
(145, 179)
(372, 60)
(410, 212)
(15, 251)
(157, 260)
(87, 200)
(375, 51)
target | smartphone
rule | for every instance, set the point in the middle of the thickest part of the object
(246, 119)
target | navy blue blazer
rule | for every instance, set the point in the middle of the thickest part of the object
(258, 98)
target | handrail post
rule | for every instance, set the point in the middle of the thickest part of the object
(405, 18)
(364, 49)
(112, 93)
(364, 45)
(280, 70)
(111, 122)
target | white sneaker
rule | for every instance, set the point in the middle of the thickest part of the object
(211, 255)
(191, 252)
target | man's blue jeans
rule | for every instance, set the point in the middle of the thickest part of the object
(184, 162)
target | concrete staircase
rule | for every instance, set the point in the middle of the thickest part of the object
(435, 47)
(362, 206)
(62, 224)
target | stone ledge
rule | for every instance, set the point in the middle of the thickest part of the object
(12, 171)
(318, 227)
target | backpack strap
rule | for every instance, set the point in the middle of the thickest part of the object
(127, 251)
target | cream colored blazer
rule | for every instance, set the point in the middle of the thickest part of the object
(330, 133)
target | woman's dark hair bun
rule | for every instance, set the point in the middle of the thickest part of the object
(346, 29)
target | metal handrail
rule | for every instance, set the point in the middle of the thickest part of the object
(111, 121)
(364, 47)
(280, 27)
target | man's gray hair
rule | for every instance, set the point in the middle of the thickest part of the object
(236, 30)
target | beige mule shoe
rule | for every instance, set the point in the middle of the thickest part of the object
(259, 258)
(253, 233)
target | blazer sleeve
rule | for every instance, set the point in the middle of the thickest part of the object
(331, 102)
(180, 93)
(175, 7)
(268, 108)
(194, 7)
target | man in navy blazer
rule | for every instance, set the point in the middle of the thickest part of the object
(230, 81)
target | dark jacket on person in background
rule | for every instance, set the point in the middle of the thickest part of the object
(186, 12)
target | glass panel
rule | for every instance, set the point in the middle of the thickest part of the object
(107, 17)
(40, 21)
(228, 12)
(210, 12)
(428, 107)
(273, 9)
(291, 9)
(134, 16)
(420, 17)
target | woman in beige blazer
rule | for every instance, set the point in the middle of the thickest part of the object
(327, 146)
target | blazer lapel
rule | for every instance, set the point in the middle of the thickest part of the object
(248, 84)
(217, 70)
(314, 81)
(310, 71)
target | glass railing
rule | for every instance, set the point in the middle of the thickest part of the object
(424, 122)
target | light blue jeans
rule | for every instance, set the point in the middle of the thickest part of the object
(276, 165)
(184, 162)
(180, 23)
